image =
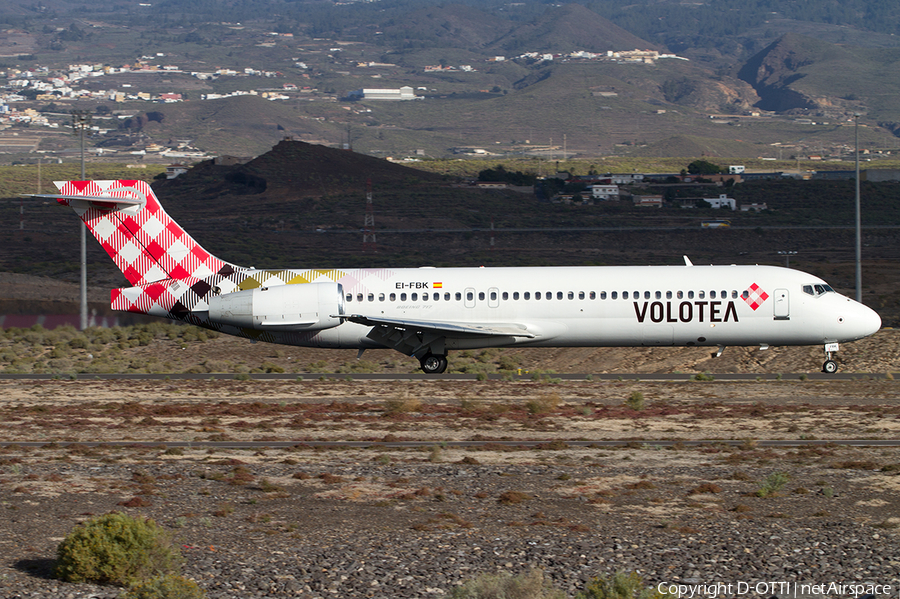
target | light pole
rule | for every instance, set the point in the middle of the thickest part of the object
(787, 257)
(858, 227)
(81, 119)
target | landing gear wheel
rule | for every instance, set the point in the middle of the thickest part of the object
(432, 364)
(830, 366)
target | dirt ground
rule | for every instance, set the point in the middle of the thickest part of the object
(301, 521)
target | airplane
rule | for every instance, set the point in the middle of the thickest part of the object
(427, 312)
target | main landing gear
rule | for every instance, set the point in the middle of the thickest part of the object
(830, 366)
(433, 363)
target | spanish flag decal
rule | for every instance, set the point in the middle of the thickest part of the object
(437, 285)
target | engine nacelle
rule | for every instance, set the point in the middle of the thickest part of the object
(300, 307)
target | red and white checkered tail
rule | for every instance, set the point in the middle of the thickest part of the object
(143, 241)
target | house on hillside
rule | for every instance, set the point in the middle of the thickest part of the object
(653, 201)
(723, 201)
(605, 192)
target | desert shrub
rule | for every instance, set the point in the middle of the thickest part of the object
(169, 586)
(704, 488)
(504, 585)
(772, 484)
(619, 586)
(635, 401)
(512, 497)
(546, 402)
(402, 405)
(115, 549)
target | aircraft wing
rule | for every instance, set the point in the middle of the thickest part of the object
(448, 328)
(410, 336)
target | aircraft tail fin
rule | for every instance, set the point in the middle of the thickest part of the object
(140, 237)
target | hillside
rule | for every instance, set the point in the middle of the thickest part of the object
(797, 73)
(570, 27)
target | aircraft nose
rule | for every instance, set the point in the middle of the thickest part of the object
(862, 321)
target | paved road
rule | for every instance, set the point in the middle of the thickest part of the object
(641, 443)
(524, 376)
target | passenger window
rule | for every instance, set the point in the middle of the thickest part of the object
(679, 294)
(359, 297)
(559, 295)
(414, 297)
(637, 295)
(668, 295)
(602, 295)
(458, 296)
(701, 294)
(515, 295)
(447, 297)
(470, 296)
(724, 295)
(393, 297)
(380, 297)
(746, 293)
(690, 295)
(712, 295)
(659, 294)
(402, 297)
(505, 296)
(537, 295)
(734, 294)
(549, 295)
(436, 297)
(493, 296)
(371, 297)
(581, 295)
(481, 295)
(646, 295)
(613, 295)
(571, 295)
(593, 295)
(349, 297)
(624, 295)
(526, 295)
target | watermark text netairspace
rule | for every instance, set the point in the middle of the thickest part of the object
(780, 588)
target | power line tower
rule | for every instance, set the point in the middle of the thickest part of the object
(368, 233)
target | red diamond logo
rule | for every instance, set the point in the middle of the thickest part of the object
(755, 296)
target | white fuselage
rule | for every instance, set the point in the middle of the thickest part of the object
(599, 306)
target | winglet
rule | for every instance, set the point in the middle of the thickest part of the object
(687, 261)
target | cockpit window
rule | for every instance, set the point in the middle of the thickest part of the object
(817, 290)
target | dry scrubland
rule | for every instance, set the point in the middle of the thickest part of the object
(388, 522)
(166, 348)
(391, 522)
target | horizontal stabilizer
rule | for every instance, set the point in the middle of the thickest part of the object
(95, 199)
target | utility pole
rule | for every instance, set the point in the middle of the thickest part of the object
(858, 227)
(368, 233)
(81, 120)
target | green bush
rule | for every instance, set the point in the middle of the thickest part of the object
(169, 586)
(620, 586)
(507, 586)
(116, 549)
(773, 483)
(635, 401)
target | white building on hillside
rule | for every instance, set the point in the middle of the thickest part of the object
(404, 93)
(723, 201)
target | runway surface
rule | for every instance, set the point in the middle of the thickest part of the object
(524, 376)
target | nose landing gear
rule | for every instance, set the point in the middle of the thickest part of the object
(830, 366)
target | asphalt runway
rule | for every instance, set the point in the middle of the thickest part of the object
(525, 376)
